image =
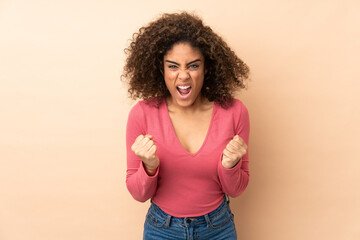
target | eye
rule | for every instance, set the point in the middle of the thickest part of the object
(172, 66)
(193, 66)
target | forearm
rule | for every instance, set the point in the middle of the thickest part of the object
(234, 180)
(140, 185)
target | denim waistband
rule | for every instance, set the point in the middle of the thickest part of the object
(224, 206)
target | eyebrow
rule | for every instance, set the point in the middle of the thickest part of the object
(186, 64)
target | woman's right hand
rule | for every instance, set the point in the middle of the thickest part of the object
(145, 149)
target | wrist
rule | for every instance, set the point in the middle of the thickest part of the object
(230, 164)
(150, 171)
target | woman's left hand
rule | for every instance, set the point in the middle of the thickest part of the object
(233, 152)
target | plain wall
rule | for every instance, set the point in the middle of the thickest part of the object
(63, 112)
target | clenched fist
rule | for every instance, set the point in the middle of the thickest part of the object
(233, 152)
(145, 149)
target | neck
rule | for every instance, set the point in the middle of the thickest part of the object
(200, 104)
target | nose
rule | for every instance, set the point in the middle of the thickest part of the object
(183, 74)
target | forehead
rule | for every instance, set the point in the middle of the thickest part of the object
(184, 52)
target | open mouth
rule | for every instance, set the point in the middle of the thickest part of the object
(184, 91)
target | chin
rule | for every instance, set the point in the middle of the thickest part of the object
(183, 103)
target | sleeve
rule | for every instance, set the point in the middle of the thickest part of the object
(235, 180)
(140, 185)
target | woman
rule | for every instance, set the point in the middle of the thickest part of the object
(187, 139)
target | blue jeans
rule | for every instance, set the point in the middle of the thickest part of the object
(216, 225)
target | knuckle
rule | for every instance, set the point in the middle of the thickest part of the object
(148, 156)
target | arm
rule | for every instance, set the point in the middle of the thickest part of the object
(140, 185)
(235, 178)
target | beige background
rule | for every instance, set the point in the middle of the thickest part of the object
(63, 112)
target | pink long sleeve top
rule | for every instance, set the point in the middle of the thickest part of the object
(186, 184)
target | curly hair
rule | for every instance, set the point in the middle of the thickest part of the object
(144, 64)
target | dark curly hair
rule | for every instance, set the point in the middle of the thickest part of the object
(144, 64)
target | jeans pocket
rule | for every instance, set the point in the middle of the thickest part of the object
(221, 219)
(155, 220)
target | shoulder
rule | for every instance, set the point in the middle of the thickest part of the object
(238, 103)
(136, 112)
(237, 112)
(235, 106)
(240, 110)
(145, 107)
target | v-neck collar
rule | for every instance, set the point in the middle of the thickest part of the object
(166, 112)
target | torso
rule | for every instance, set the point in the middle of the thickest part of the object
(191, 129)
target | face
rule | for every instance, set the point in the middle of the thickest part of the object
(184, 72)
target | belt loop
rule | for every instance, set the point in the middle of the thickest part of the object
(208, 223)
(167, 221)
(227, 198)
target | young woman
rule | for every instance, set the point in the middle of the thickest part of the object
(187, 139)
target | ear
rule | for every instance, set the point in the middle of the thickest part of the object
(161, 67)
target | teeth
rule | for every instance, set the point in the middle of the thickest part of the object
(183, 87)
